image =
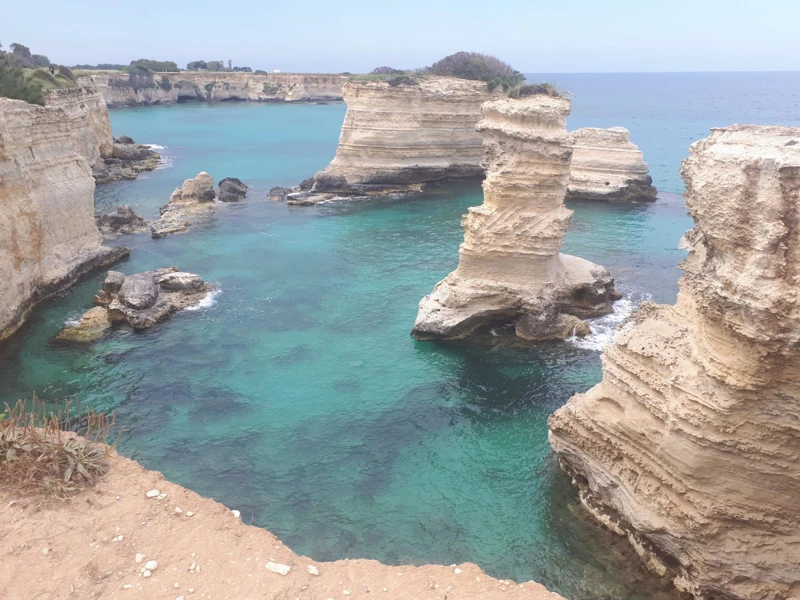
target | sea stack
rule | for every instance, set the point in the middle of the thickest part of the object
(607, 166)
(690, 445)
(396, 137)
(510, 270)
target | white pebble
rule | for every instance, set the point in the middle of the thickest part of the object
(179, 598)
(278, 568)
(236, 513)
(126, 586)
(457, 571)
(45, 550)
(312, 570)
(189, 513)
(177, 585)
(152, 493)
(139, 558)
(151, 565)
(190, 590)
(146, 573)
(346, 592)
(161, 496)
(385, 589)
(178, 510)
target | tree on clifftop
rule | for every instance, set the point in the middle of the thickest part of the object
(13, 83)
(479, 67)
(156, 65)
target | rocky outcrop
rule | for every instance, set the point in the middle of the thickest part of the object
(510, 270)
(141, 301)
(126, 161)
(192, 202)
(278, 194)
(396, 138)
(690, 445)
(124, 220)
(232, 189)
(48, 236)
(171, 88)
(607, 166)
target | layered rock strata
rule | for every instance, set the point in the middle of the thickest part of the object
(171, 88)
(396, 138)
(510, 270)
(190, 203)
(126, 161)
(690, 445)
(607, 166)
(48, 236)
(141, 301)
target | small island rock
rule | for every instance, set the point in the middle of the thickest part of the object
(232, 189)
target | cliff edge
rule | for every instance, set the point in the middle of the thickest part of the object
(510, 270)
(48, 235)
(690, 445)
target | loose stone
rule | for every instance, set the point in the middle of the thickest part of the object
(278, 568)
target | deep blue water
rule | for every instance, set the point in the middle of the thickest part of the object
(298, 396)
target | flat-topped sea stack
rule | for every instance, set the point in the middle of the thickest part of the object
(607, 166)
(48, 235)
(690, 445)
(510, 270)
(397, 137)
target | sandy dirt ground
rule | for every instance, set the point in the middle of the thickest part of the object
(88, 548)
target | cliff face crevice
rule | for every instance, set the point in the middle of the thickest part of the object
(607, 166)
(395, 138)
(48, 235)
(171, 88)
(510, 270)
(692, 439)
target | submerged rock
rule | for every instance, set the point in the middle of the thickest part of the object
(232, 189)
(141, 301)
(124, 220)
(690, 445)
(510, 270)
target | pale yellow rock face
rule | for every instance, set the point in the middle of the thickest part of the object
(48, 235)
(690, 445)
(510, 269)
(198, 86)
(397, 137)
(607, 166)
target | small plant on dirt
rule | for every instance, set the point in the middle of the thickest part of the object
(40, 451)
(534, 89)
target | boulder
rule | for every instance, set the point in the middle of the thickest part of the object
(232, 189)
(113, 282)
(181, 282)
(92, 326)
(199, 189)
(138, 291)
(125, 220)
(278, 194)
(123, 139)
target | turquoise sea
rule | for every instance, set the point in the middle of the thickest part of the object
(297, 396)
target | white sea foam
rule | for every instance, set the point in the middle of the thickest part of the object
(154, 146)
(209, 300)
(166, 163)
(71, 323)
(604, 328)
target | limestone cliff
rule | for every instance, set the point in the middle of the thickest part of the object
(48, 235)
(607, 166)
(690, 445)
(207, 86)
(510, 269)
(395, 138)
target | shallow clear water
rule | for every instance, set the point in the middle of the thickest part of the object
(297, 395)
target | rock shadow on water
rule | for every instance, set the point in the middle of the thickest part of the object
(296, 355)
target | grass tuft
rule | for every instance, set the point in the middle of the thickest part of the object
(40, 451)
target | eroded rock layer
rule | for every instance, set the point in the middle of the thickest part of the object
(607, 166)
(510, 269)
(690, 445)
(395, 138)
(170, 88)
(48, 235)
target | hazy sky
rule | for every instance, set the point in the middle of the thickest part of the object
(356, 35)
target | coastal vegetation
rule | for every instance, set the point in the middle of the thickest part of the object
(40, 453)
(534, 89)
(156, 65)
(217, 66)
(22, 79)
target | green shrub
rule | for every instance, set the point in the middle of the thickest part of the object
(478, 67)
(14, 84)
(156, 65)
(260, 72)
(38, 453)
(401, 80)
(164, 83)
(271, 89)
(535, 89)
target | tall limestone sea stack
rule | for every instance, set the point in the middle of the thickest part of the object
(510, 270)
(48, 235)
(397, 137)
(690, 445)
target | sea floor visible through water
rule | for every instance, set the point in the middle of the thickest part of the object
(296, 395)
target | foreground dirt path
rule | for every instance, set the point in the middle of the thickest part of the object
(87, 548)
